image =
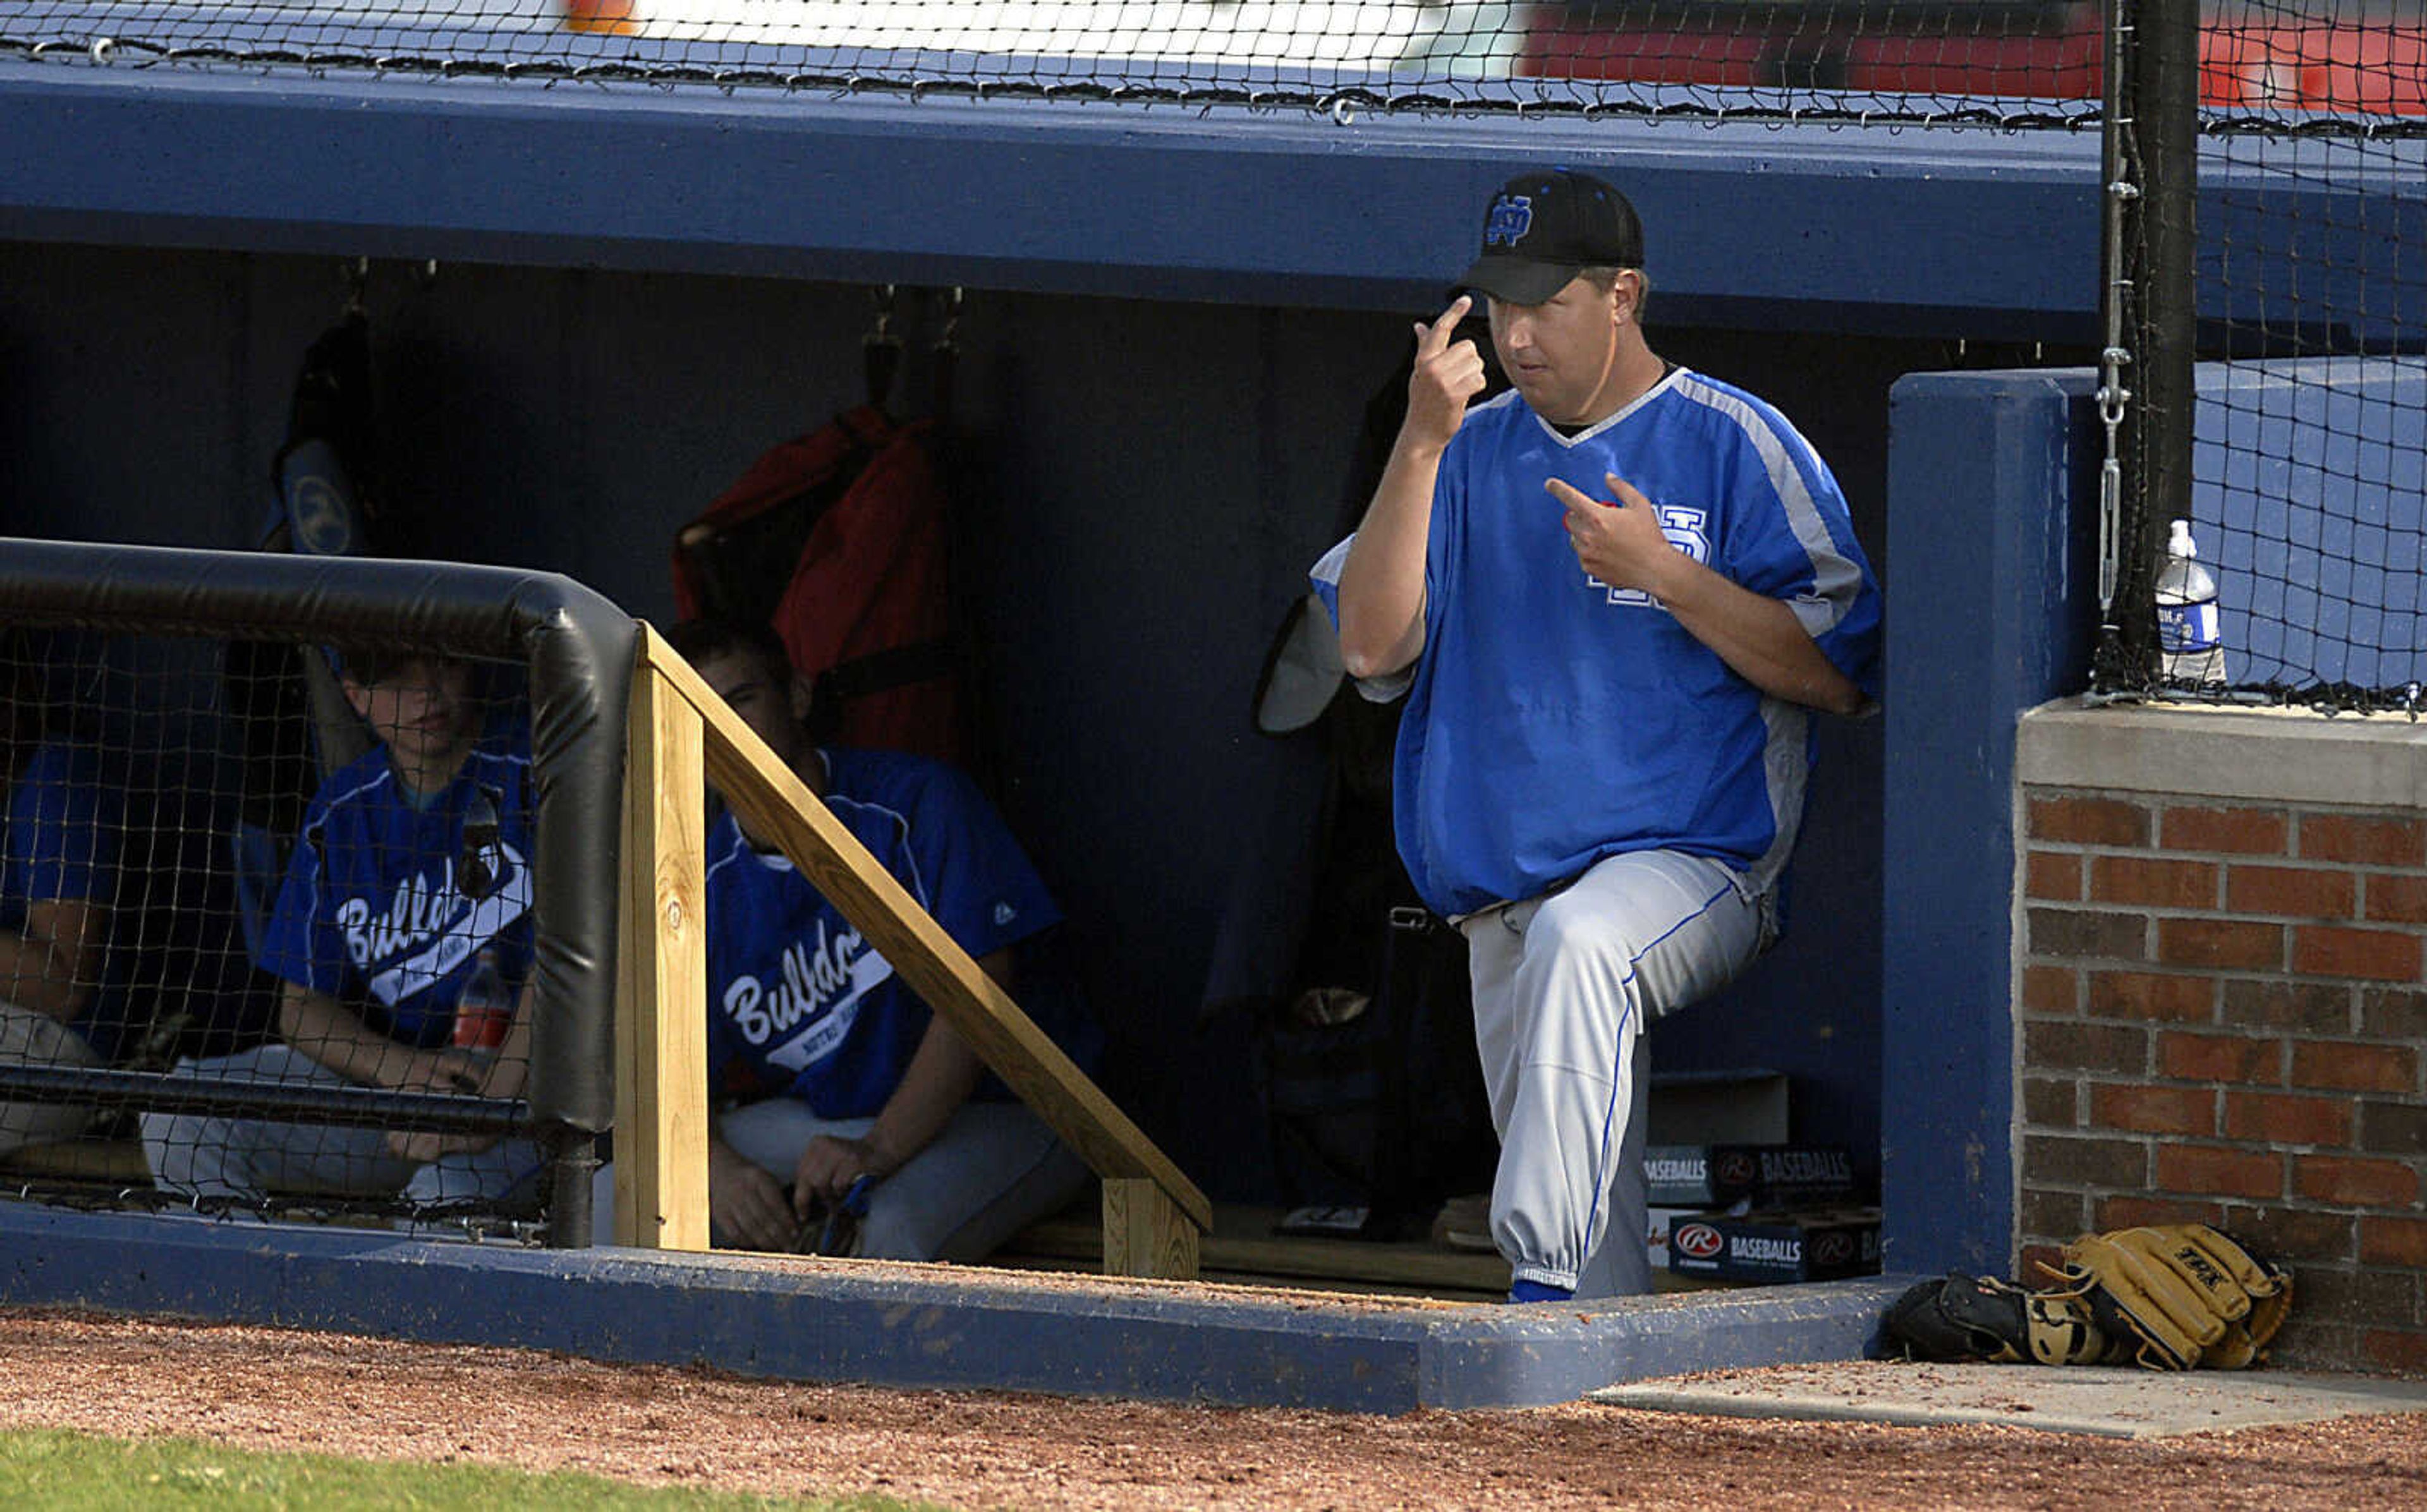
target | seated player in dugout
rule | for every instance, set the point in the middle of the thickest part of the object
(56, 868)
(402, 940)
(846, 1116)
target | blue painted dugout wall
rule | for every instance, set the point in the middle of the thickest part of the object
(2310, 477)
(1989, 477)
(1175, 319)
(2308, 466)
(912, 1325)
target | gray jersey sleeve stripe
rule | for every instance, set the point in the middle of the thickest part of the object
(1786, 766)
(1835, 580)
(1815, 614)
(1328, 566)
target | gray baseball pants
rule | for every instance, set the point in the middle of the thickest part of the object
(1564, 986)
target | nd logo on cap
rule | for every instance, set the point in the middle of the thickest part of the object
(1512, 216)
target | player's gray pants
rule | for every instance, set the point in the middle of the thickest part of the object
(201, 1156)
(30, 1038)
(1564, 986)
(993, 1170)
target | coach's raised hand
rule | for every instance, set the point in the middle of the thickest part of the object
(1382, 582)
(1447, 374)
(1618, 540)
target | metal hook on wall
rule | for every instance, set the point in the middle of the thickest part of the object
(881, 351)
(943, 352)
(951, 327)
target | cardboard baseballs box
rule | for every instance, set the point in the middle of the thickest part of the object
(1765, 1176)
(1775, 1245)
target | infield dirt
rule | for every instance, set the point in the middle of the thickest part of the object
(268, 1388)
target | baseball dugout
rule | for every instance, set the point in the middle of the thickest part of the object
(146, 665)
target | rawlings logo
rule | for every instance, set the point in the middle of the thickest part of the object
(1736, 1169)
(1699, 1240)
(1832, 1247)
(1512, 216)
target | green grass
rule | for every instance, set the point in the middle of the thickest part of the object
(45, 1469)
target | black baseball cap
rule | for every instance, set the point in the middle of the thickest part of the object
(1544, 228)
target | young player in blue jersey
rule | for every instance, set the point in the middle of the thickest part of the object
(828, 1073)
(1613, 595)
(57, 869)
(408, 884)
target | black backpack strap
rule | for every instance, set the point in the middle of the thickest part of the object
(894, 667)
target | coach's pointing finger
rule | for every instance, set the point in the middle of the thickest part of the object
(1431, 340)
(1446, 374)
(1571, 496)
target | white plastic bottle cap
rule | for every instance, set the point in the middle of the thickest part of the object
(2179, 542)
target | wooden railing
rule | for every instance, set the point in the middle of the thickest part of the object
(683, 736)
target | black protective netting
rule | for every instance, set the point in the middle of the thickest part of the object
(2008, 62)
(2309, 467)
(2311, 273)
(250, 952)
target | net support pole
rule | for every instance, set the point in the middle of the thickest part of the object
(2165, 91)
(572, 1162)
(2113, 664)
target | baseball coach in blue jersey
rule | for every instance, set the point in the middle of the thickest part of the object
(407, 901)
(835, 1089)
(1613, 595)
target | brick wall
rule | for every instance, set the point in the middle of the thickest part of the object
(2221, 1018)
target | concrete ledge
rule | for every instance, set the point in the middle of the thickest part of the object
(2109, 1401)
(912, 1325)
(2256, 755)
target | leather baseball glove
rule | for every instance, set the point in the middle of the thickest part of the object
(2173, 1297)
(1973, 1319)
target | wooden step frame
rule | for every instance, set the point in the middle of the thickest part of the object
(683, 736)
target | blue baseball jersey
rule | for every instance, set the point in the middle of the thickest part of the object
(798, 1001)
(389, 900)
(61, 845)
(1552, 720)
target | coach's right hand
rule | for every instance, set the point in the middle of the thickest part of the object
(1447, 374)
(746, 1208)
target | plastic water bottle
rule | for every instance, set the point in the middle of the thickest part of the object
(485, 1008)
(2189, 640)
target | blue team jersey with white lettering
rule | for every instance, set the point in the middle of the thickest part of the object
(61, 846)
(1553, 721)
(798, 1001)
(387, 902)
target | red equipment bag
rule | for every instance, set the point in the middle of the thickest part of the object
(839, 541)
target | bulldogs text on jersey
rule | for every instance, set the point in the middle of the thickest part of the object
(802, 1011)
(432, 925)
